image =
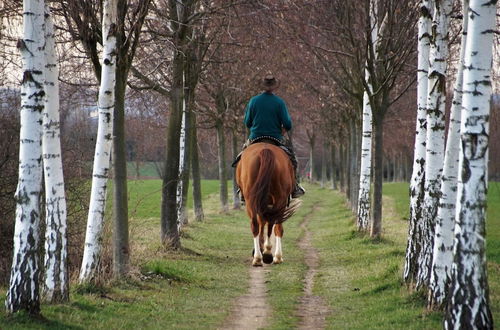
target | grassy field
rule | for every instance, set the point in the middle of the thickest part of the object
(360, 279)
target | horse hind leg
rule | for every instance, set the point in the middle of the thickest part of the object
(267, 255)
(278, 253)
(256, 253)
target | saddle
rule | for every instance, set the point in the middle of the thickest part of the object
(264, 139)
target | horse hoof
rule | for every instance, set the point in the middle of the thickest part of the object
(267, 258)
(257, 262)
(277, 260)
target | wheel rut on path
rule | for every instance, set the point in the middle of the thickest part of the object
(251, 310)
(312, 309)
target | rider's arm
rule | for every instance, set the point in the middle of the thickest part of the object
(286, 121)
(248, 115)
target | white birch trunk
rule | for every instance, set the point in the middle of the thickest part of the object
(366, 140)
(55, 287)
(418, 172)
(23, 292)
(445, 220)
(181, 210)
(95, 221)
(434, 156)
(366, 164)
(469, 301)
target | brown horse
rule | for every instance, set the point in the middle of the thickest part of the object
(266, 178)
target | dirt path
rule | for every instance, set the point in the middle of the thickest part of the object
(312, 309)
(251, 311)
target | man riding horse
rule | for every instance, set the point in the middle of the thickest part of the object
(267, 117)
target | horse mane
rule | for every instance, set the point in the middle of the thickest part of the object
(280, 211)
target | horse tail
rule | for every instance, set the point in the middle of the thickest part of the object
(276, 211)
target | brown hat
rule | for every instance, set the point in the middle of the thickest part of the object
(269, 82)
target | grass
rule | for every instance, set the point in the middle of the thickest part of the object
(359, 278)
(188, 289)
(145, 196)
(398, 193)
(146, 170)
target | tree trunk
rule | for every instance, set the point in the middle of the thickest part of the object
(469, 301)
(376, 210)
(334, 166)
(56, 287)
(323, 165)
(445, 222)
(195, 166)
(221, 146)
(366, 164)
(353, 173)
(418, 172)
(121, 251)
(435, 136)
(236, 197)
(23, 290)
(106, 104)
(169, 231)
(348, 168)
(312, 142)
(183, 185)
(343, 168)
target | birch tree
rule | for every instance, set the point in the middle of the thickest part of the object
(23, 292)
(183, 171)
(434, 154)
(418, 173)
(56, 288)
(366, 140)
(106, 103)
(445, 220)
(469, 298)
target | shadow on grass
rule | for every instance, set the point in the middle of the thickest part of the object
(91, 288)
(35, 322)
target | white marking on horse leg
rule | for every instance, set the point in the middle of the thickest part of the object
(267, 246)
(278, 253)
(257, 255)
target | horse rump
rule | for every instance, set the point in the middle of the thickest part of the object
(280, 210)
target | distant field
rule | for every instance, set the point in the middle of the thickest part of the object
(146, 169)
(145, 196)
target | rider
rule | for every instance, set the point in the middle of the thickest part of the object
(267, 117)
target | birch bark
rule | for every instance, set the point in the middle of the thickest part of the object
(366, 141)
(434, 154)
(55, 287)
(23, 292)
(95, 221)
(181, 205)
(366, 164)
(418, 173)
(469, 296)
(445, 220)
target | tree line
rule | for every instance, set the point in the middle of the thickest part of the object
(351, 68)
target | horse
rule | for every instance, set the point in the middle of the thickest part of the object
(266, 178)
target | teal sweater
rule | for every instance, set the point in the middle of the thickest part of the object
(265, 114)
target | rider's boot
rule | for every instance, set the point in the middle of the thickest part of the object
(298, 190)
